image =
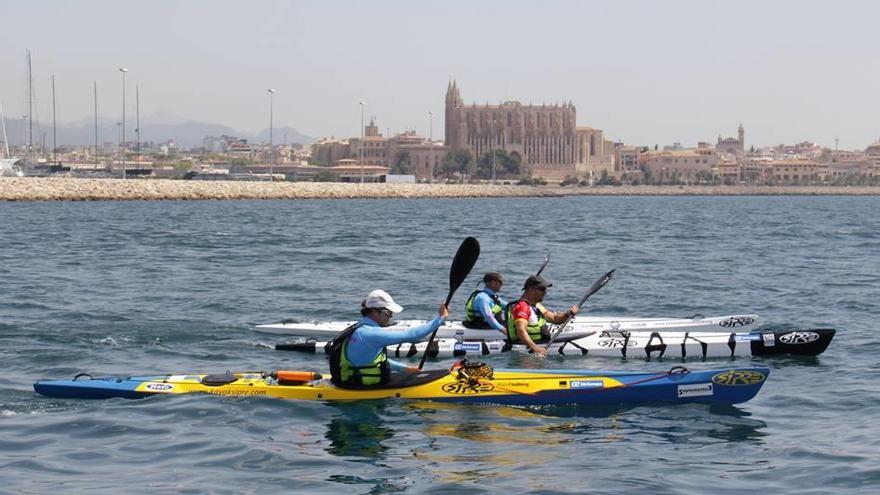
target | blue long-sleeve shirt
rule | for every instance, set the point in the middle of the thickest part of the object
(369, 339)
(483, 303)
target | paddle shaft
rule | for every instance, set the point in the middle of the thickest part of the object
(464, 260)
(544, 265)
(598, 284)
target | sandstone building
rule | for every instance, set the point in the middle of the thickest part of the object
(734, 146)
(546, 138)
(380, 154)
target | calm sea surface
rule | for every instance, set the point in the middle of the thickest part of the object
(153, 287)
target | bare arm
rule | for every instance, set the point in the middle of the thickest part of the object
(523, 334)
(559, 317)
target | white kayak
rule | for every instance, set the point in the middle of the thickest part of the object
(621, 344)
(454, 329)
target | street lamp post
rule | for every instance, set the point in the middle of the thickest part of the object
(431, 144)
(96, 123)
(54, 135)
(123, 70)
(361, 150)
(137, 124)
(271, 124)
(492, 141)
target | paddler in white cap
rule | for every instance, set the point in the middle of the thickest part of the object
(357, 356)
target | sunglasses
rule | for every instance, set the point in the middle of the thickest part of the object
(540, 289)
(385, 311)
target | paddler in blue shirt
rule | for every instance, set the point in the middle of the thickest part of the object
(357, 356)
(484, 308)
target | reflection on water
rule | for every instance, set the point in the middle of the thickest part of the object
(456, 443)
(358, 431)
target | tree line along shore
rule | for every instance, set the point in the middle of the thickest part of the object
(69, 189)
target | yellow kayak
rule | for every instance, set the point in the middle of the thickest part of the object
(465, 382)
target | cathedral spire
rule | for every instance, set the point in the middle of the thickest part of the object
(453, 97)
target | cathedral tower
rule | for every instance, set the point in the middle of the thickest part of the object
(453, 104)
(545, 137)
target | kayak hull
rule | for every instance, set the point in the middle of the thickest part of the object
(506, 387)
(455, 329)
(634, 345)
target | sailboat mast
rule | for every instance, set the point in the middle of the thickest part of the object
(54, 127)
(123, 70)
(30, 85)
(5, 139)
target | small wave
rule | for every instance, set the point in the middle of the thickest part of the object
(115, 341)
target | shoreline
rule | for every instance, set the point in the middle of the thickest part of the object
(70, 189)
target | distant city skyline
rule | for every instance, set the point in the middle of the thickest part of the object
(644, 72)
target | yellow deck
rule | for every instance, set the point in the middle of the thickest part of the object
(449, 386)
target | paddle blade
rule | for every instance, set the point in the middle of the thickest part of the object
(464, 260)
(598, 284)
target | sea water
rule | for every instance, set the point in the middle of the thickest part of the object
(132, 288)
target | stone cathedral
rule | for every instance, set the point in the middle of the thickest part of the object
(546, 137)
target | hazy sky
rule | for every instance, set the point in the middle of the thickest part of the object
(644, 71)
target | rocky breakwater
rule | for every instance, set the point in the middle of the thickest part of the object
(738, 190)
(68, 189)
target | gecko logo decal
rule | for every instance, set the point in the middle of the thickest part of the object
(736, 378)
(799, 337)
(736, 321)
(467, 388)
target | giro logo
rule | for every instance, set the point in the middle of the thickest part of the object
(738, 377)
(736, 321)
(617, 343)
(467, 388)
(799, 337)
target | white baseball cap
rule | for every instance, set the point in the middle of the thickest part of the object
(379, 299)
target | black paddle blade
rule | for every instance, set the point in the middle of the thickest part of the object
(464, 261)
(598, 284)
